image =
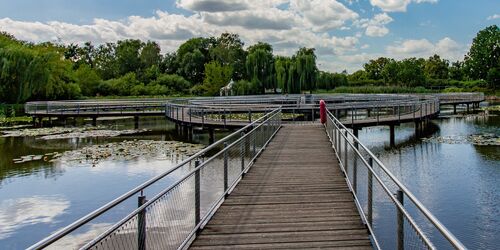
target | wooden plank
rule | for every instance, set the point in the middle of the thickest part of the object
(294, 197)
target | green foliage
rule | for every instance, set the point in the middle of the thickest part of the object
(174, 84)
(228, 50)
(260, 66)
(216, 77)
(33, 72)
(484, 53)
(436, 68)
(87, 79)
(305, 61)
(374, 68)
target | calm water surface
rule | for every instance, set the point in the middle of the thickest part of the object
(459, 183)
(37, 198)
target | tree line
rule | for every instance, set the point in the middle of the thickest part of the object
(201, 66)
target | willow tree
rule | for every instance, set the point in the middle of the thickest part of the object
(282, 68)
(305, 61)
(260, 66)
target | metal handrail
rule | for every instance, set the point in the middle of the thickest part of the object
(356, 142)
(191, 173)
(80, 222)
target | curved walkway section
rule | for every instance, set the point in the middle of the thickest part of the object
(294, 197)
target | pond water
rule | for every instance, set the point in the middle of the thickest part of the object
(457, 181)
(38, 197)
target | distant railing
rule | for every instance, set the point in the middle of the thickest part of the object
(393, 215)
(171, 217)
(452, 98)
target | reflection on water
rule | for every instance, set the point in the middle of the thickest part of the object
(38, 198)
(458, 183)
(17, 213)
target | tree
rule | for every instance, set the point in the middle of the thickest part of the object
(174, 83)
(390, 72)
(374, 68)
(436, 68)
(87, 79)
(192, 57)
(260, 66)
(105, 61)
(150, 54)
(484, 53)
(360, 75)
(216, 77)
(228, 50)
(127, 56)
(305, 61)
(282, 66)
(169, 64)
(411, 72)
(456, 71)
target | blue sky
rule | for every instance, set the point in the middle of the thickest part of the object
(345, 33)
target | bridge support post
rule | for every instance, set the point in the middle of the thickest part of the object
(454, 109)
(136, 122)
(355, 131)
(211, 136)
(94, 121)
(141, 224)
(392, 135)
(40, 122)
(33, 121)
(368, 112)
(400, 220)
(467, 108)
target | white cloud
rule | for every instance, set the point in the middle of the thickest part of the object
(493, 17)
(375, 27)
(446, 48)
(271, 18)
(212, 5)
(323, 15)
(397, 5)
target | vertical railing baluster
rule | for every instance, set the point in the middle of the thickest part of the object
(345, 153)
(400, 234)
(370, 192)
(225, 167)
(242, 151)
(141, 223)
(197, 214)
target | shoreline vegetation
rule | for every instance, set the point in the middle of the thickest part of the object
(201, 66)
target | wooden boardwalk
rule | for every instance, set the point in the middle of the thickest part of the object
(295, 196)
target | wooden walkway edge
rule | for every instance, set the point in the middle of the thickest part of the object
(295, 196)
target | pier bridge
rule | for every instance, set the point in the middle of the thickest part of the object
(271, 184)
(356, 111)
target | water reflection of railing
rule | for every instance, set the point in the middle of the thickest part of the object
(371, 183)
(171, 218)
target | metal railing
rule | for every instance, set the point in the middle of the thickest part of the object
(172, 216)
(395, 218)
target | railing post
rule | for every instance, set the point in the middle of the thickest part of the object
(141, 221)
(400, 242)
(370, 192)
(346, 139)
(225, 168)
(197, 217)
(242, 151)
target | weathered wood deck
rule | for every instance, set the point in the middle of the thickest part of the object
(295, 196)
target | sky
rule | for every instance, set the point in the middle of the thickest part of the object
(345, 33)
